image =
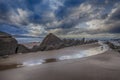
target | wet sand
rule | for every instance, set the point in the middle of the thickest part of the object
(20, 58)
(8, 66)
(104, 66)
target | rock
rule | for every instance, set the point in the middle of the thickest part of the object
(35, 48)
(50, 47)
(22, 49)
(50, 39)
(8, 44)
(50, 42)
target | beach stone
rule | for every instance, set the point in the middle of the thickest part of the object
(8, 44)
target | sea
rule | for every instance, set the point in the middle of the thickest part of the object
(28, 40)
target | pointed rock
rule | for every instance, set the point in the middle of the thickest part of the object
(50, 42)
(51, 39)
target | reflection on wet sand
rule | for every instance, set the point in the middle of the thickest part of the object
(38, 62)
(80, 54)
(84, 53)
(33, 62)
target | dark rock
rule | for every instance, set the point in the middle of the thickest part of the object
(50, 47)
(8, 44)
(51, 39)
(71, 42)
(35, 48)
(22, 49)
(50, 42)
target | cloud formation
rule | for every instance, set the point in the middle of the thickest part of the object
(62, 17)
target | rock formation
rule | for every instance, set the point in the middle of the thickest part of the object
(50, 42)
(8, 44)
(22, 49)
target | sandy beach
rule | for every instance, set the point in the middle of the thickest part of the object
(59, 39)
(101, 66)
(20, 58)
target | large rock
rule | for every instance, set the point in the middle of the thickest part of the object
(50, 42)
(8, 44)
(22, 49)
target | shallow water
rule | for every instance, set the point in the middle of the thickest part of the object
(77, 55)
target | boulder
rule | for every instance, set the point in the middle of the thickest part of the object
(50, 42)
(35, 48)
(22, 49)
(8, 44)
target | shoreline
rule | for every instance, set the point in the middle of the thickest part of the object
(45, 54)
(104, 66)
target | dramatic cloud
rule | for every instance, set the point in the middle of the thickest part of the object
(83, 18)
(35, 30)
(110, 24)
(19, 16)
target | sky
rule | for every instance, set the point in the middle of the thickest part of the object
(66, 18)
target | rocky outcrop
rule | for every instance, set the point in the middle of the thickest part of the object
(73, 42)
(50, 42)
(22, 49)
(8, 44)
